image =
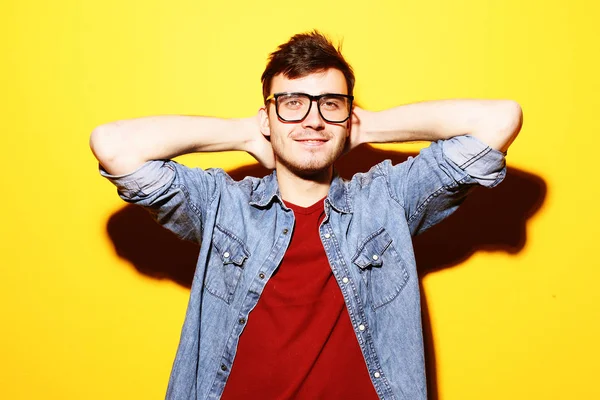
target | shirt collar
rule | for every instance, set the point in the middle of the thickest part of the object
(268, 190)
(338, 196)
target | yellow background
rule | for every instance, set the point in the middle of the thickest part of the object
(79, 322)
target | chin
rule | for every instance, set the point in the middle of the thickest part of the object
(310, 165)
(309, 169)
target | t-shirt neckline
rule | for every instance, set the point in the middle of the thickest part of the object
(319, 205)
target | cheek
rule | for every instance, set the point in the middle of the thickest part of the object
(282, 131)
(343, 133)
(279, 137)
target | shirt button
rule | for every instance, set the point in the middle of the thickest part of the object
(226, 254)
(242, 321)
(345, 280)
(261, 275)
(327, 236)
(361, 327)
(285, 231)
(223, 367)
(376, 374)
(375, 257)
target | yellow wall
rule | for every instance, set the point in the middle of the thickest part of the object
(519, 319)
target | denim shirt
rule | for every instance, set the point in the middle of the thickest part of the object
(244, 229)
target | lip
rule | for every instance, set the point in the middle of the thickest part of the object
(312, 142)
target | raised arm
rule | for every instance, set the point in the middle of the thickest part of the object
(494, 122)
(123, 146)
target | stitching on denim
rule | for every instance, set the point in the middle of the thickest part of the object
(231, 235)
(435, 194)
(368, 341)
(189, 203)
(389, 187)
(347, 198)
(476, 157)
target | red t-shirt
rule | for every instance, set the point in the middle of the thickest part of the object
(298, 341)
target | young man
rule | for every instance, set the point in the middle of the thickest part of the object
(306, 285)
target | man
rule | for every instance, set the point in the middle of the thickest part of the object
(306, 285)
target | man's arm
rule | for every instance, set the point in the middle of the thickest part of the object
(478, 131)
(494, 122)
(123, 146)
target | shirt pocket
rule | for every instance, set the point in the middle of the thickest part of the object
(381, 268)
(226, 261)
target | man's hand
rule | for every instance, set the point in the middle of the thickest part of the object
(259, 147)
(359, 122)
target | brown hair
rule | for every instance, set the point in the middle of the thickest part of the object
(304, 54)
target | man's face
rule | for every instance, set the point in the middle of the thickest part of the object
(311, 146)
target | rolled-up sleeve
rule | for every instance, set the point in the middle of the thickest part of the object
(145, 180)
(175, 195)
(485, 165)
(433, 184)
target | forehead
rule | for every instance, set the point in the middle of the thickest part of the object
(328, 81)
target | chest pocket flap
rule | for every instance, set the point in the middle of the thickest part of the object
(231, 249)
(381, 267)
(371, 252)
(227, 257)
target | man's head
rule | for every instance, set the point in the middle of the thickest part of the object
(307, 132)
(304, 54)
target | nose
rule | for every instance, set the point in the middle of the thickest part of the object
(313, 120)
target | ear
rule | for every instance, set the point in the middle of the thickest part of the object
(265, 127)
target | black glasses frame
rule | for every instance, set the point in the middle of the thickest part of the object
(317, 98)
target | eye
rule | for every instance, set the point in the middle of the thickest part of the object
(333, 103)
(292, 102)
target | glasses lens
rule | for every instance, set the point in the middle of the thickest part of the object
(334, 108)
(293, 107)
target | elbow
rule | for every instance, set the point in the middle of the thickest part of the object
(117, 151)
(503, 124)
(512, 117)
(107, 146)
(101, 144)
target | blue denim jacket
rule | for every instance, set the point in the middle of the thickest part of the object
(245, 228)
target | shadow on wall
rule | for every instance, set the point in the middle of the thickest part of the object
(490, 219)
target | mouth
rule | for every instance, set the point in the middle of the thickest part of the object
(312, 142)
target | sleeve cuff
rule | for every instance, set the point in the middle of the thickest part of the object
(143, 181)
(484, 164)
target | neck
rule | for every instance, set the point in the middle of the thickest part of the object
(304, 191)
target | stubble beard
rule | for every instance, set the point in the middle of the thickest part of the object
(311, 166)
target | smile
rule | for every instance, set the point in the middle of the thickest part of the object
(312, 142)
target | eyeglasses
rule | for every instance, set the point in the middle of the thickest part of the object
(294, 107)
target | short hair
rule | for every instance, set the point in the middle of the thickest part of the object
(302, 55)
